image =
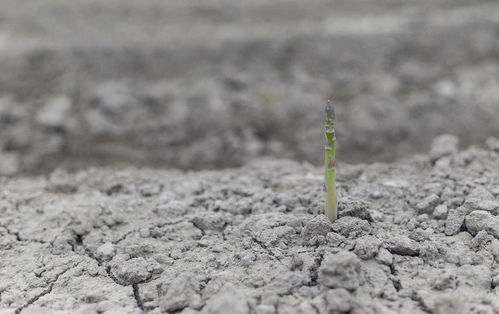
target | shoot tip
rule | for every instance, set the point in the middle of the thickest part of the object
(330, 113)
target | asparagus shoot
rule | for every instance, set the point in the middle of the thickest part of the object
(330, 163)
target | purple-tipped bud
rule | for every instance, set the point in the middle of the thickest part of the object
(330, 110)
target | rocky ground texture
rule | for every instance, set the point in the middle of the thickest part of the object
(217, 83)
(417, 236)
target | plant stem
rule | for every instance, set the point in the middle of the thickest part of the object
(330, 164)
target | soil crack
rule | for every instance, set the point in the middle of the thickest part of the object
(21, 239)
(136, 295)
(315, 268)
(265, 247)
(48, 290)
(160, 225)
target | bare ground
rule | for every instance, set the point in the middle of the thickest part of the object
(213, 84)
(197, 85)
(418, 236)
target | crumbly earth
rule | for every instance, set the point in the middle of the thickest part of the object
(218, 83)
(418, 236)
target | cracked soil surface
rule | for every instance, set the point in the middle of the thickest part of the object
(86, 85)
(417, 236)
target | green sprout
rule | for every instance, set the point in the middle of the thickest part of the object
(330, 164)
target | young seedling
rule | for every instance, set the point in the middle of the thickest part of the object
(330, 163)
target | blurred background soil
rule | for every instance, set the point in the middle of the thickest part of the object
(218, 83)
